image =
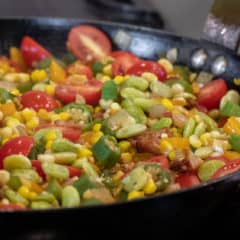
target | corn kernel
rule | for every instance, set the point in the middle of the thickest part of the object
(97, 109)
(96, 137)
(33, 187)
(195, 88)
(84, 152)
(206, 139)
(24, 191)
(64, 116)
(149, 76)
(118, 175)
(167, 103)
(51, 135)
(15, 92)
(50, 89)
(97, 127)
(5, 140)
(44, 114)
(32, 196)
(165, 147)
(119, 79)
(114, 107)
(166, 64)
(28, 114)
(237, 81)
(16, 77)
(12, 122)
(38, 75)
(195, 142)
(172, 155)
(108, 70)
(33, 123)
(55, 117)
(6, 132)
(150, 187)
(126, 157)
(124, 146)
(105, 78)
(48, 144)
(135, 194)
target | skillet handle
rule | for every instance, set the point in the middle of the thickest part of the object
(223, 24)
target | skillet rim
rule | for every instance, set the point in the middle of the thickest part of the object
(147, 30)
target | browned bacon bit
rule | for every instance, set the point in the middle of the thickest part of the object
(149, 141)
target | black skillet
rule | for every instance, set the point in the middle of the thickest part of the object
(181, 210)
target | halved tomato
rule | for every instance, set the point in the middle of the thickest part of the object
(32, 51)
(19, 145)
(81, 69)
(160, 159)
(88, 43)
(227, 169)
(73, 172)
(70, 131)
(148, 66)
(123, 61)
(37, 100)
(90, 91)
(187, 180)
(211, 94)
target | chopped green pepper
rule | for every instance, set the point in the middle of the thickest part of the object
(97, 67)
(5, 95)
(45, 63)
(106, 151)
(25, 86)
(109, 91)
(69, 58)
(230, 109)
(235, 142)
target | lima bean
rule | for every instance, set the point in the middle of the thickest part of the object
(70, 197)
(130, 130)
(16, 161)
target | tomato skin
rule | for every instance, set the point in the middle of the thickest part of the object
(148, 66)
(37, 165)
(227, 169)
(123, 62)
(90, 91)
(32, 51)
(73, 172)
(160, 159)
(211, 94)
(88, 43)
(81, 69)
(18, 145)
(71, 132)
(37, 100)
(187, 180)
(11, 206)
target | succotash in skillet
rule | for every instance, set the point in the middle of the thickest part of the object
(101, 126)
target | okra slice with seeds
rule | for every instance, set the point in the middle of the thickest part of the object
(106, 151)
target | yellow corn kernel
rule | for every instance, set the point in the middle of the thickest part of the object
(12, 122)
(24, 191)
(64, 116)
(17, 77)
(33, 123)
(195, 141)
(38, 75)
(1, 115)
(50, 89)
(237, 81)
(135, 194)
(105, 78)
(51, 135)
(126, 157)
(179, 101)
(15, 92)
(167, 103)
(150, 187)
(166, 64)
(165, 147)
(124, 146)
(149, 76)
(32, 196)
(118, 175)
(172, 155)
(108, 70)
(28, 114)
(8, 108)
(6, 132)
(5, 140)
(48, 144)
(55, 117)
(96, 137)
(44, 114)
(84, 152)
(195, 88)
(33, 187)
(97, 109)
(97, 127)
(119, 79)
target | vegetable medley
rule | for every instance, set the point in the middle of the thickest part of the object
(101, 126)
